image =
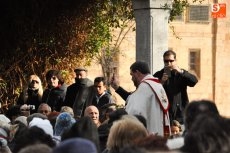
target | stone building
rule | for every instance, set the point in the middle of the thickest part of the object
(202, 45)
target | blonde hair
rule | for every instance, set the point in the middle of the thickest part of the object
(125, 132)
(67, 109)
(29, 81)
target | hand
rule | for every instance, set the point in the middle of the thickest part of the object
(24, 107)
(114, 82)
(164, 78)
(177, 69)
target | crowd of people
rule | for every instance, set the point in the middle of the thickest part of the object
(84, 118)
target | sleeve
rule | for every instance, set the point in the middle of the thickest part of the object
(123, 93)
(189, 78)
(159, 74)
(68, 101)
(45, 96)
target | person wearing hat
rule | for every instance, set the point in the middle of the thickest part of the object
(79, 94)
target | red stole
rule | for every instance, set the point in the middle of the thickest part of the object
(159, 91)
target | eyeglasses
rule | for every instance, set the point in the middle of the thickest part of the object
(166, 61)
(35, 81)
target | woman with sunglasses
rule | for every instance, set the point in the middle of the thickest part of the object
(55, 92)
(31, 94)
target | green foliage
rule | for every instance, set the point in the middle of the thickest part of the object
(38, 35)
(110, 14)
(178, 7)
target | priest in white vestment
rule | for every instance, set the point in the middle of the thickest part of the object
(149, 99)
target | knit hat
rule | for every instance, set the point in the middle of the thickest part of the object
(75, 145)
(43, 124)
(64, 122)
(4, 119)
(22, 119)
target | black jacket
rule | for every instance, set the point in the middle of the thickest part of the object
(79, 95)
(103, 100)
(32, 99)
(123, 93)
(176, 90)
(55, 97)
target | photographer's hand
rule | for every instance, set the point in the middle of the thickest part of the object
(164, 78)
(177, 69)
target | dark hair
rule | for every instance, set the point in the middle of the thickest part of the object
(141, 67)
(30, 136)
(13, 111)
(170, 52)
(100, 79)
(209, 133)
(116, 115)
(56, 73)
(142, 119)
(153, 143)
(83, 128)
(195, 108)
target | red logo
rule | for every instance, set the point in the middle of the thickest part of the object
(218, 10)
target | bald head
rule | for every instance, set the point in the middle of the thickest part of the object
(93, 113)
(44, 109)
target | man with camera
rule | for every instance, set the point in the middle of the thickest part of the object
(26, 109)
(175, 81)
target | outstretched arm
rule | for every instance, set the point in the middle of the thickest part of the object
(118, 89)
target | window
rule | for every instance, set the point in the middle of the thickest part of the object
(194, 61)
(198, 13)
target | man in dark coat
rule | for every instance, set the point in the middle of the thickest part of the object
(175, 81)
(79, 94)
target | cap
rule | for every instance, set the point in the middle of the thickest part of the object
(80, 69)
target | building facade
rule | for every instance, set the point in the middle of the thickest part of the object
(203, 48)
(202, 45)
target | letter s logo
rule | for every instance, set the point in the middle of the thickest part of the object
(215, 8)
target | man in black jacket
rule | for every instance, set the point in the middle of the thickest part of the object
(175, 81)
(80, 94)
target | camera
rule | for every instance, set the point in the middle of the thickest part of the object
(167, 71)
(31, 107)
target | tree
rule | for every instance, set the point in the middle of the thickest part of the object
(38, 35)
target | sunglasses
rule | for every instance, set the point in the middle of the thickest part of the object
(35, 81)
(54, 77)
(166, 61)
